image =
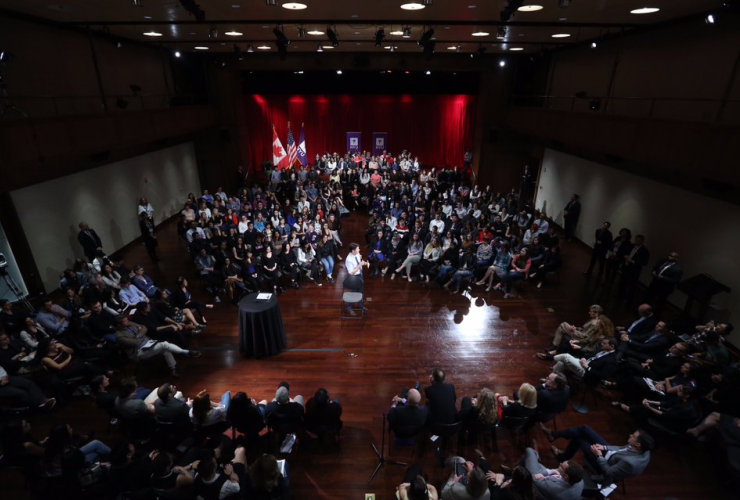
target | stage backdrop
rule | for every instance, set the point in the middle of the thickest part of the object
(436, 128)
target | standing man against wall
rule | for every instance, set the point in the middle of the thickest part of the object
(571, 213)
(89, 240)
(638, 258)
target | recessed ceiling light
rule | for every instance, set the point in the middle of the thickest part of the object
(147, 17)
(328, 46)
(530, 8)
(263, 47)
(390, 47)
(264, 26)
(201, 48)
(358, 43)
(471, 6)
(480, 33)
(645, 10)
(452, 47)
(294, 6)
(354, 16)
(357, 32)
(177, 53)
(397, 33)
(428, 72)
(447, 27)
(234, 33)
(412, 6)
(315, 32)
(502, 63)
(152, 33)
(561, 35)
(516, 49)
(339, 72)
(562, 19)
(235, 6)
(193, 33)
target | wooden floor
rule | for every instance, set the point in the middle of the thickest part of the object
(480, 340)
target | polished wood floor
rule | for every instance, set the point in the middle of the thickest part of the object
(481, 340)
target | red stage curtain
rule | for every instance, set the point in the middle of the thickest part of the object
(436, 128)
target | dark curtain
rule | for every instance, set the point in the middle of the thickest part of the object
(436, 128)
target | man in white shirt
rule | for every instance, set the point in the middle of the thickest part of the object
(354, 265)
(438, 223)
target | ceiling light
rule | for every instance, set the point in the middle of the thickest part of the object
(453, 47)
(250, 48)
(379, 35)
(428, 72)
(407, 32)
(709, 19)
(294, 6)
(645, 10)
(263, 47)
(147, 17)
(412, 6)
(339, 72)
(502, 63)
(516, 49)
(396, 33)
(319, 48)
(281, 38)
(593, 45)
(233, 33)
(480, 33)
(563, 4)
(201, 48)
(315, 32)
(393, 48)
(301, 32)
(332, 37)
(235, 6)
(561, 35)
(530, 8)
(329, 47)
(471, 6)
(152, 33)
(177, 53)
(213, 32)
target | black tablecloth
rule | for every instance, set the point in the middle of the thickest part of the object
(261, 330)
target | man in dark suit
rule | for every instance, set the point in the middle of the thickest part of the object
(645, 323)
(440, 399)
(570, 214)
(637, 258)
(667, 274)
(603, 365)
(648, 345)
(406, 412)
(89, 240)
(660, 367)
(552, 395)
(168, 408)
(602, 244)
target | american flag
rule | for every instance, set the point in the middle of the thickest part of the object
(292, 150)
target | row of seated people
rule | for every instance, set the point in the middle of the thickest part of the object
(529, 478)
(677, 386)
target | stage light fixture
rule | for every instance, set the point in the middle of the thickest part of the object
(250, 48)
(339, 72)
(502, 63)
(319, 48)
(393, 48)
(301, 32)
(193, 9)
(709, 19)
(428, 72)
(177, 53)
(332, 37)
(425, 37)
(407, 32)
(379, 36)
(282, 40)
(594, 45)
(272, 3)
(212, 32)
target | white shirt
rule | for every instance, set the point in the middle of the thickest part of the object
(353, 262)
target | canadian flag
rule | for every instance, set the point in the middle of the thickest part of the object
(279, 156)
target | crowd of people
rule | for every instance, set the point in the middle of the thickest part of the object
(423, 226)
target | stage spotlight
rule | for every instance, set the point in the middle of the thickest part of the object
(319, 48)
(393, 48)
(379, 35)
(425, 37)
(238, 52)
(250, 48)
(594, 45)
(709, 19)
(502, 63)
(301, 32)
(281, 38)
(332, 37)
(428, 72)
(407, 32)
(194, 9)
(177, 53)
(563, 4)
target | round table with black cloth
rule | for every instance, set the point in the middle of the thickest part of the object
(261, 330)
